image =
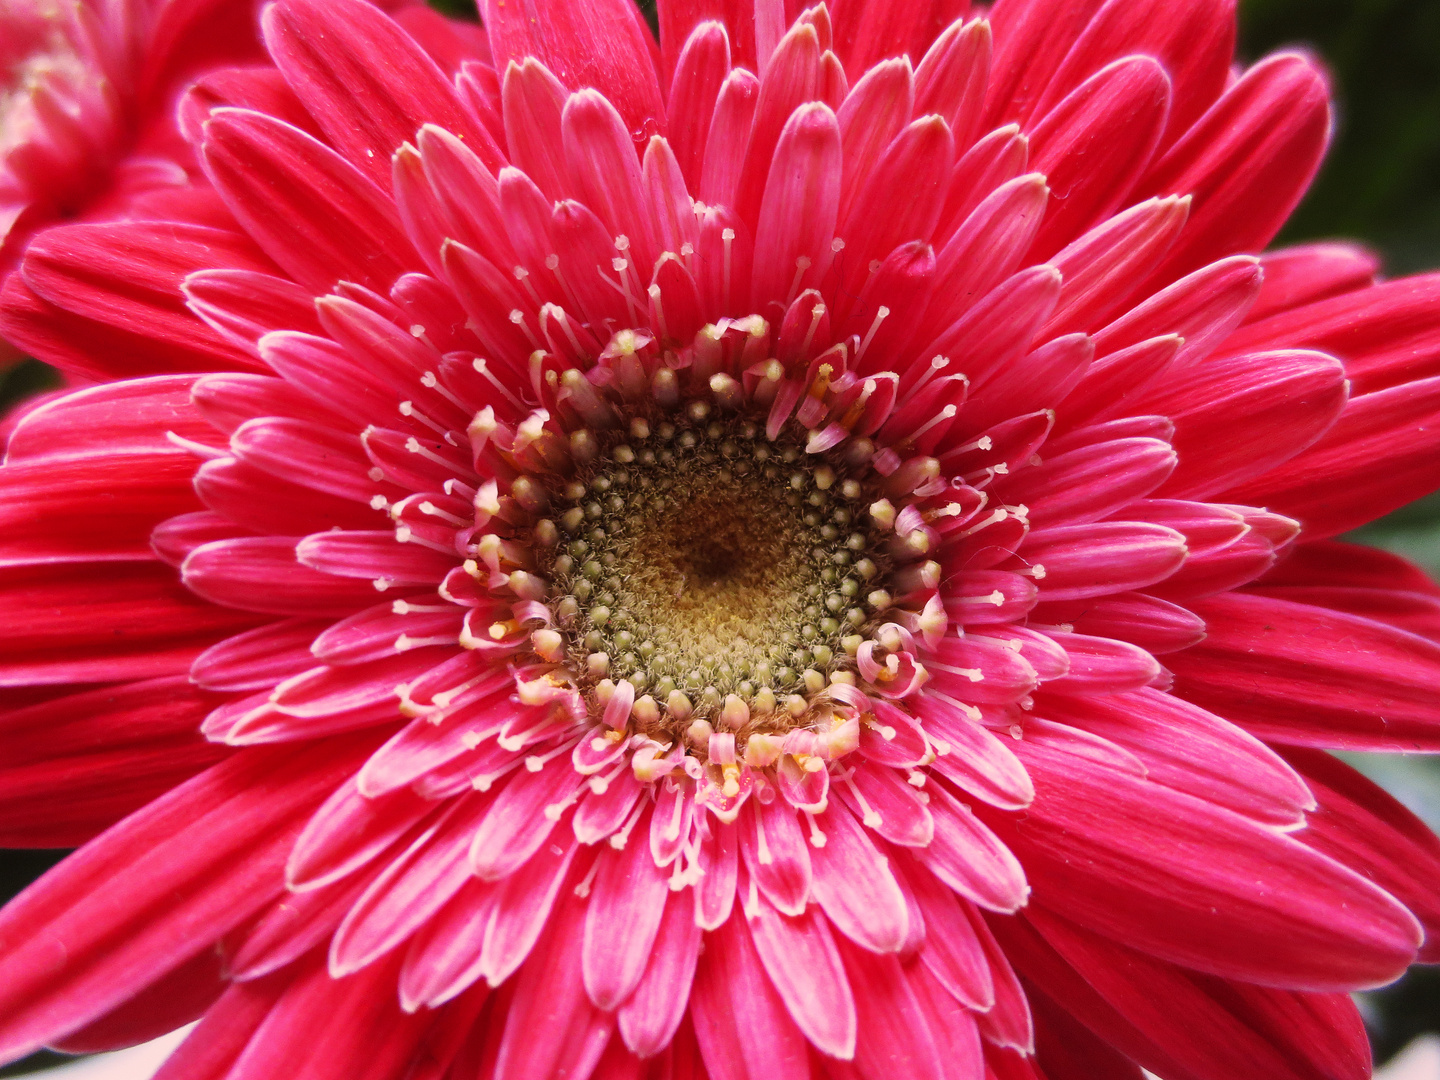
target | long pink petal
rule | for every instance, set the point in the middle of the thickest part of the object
(627, 901)
(1385, 334)
(1094, 145)
(798, 213)
(649, 1019)
(1360, 825)
(337, 225)
(971, 859)
(183, 871)
(366, 82)
(552, 1028)
(741, 1022)
(1300, 674)
(776, 854)
(895, 1038)
(603, 44)
(801, 958)
(408, 891)
(1271, 911)
(1378, 456)
(1246, 162)
(855, 887)
(1190, 750)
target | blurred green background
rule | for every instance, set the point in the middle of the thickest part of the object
(1380, 184)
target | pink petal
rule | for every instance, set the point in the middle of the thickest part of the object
(797, 217)
(349, 831)
(1188, 749)
(700, 71)
(895, 1039)
(627, 901)
(892, 807)
(952, 77)
(1091, 482)
(603, 44)
(308, 209)
(1247, 161)
(258, 658)
(1104, 558)
(1202, 308)
(291, 927)
(209, 854)
(408, 891)
(855, 886)
(1271, 911)
(522, 910)
(953, 951)
(719, 859)
(173, 1001)
(969, 858)
(974, 760)
(1359, 824)
(442, 959)
(1385, 333)
(521, 817)
(550, 998)
(1303, 274)
(776, 853)
(1378, 456)
(366, 82)
(101, 622)
(1095, 144)
(741, 1022)
(803, 963)
(1299, 674)
(299, 1030)
(649, 1019)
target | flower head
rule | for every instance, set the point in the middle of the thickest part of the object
(770, 558)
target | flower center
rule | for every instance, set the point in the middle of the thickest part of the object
(705, 564)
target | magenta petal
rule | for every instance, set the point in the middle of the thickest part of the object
(522, 910)
(969, 858)
(409, 891)
(1359, 824)
(179, 997)
(601, 44)
(211, 842)
(1272, 911)
(649, 1019)
(550, 998)
(1191, 750)
(741, 1022)
(854, 885)
(776, 853)
(895, 1038)
(331, 51)
(953, 951)
(297, 1030)
(803, 963)
(1300, 674)
(521, 817)
(627, 901)
(270, 172)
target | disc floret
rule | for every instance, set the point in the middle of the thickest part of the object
(701, 569)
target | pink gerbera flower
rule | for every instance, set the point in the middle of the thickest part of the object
(801, 553)
(86, 100)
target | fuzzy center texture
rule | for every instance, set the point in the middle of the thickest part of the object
(708, 559)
